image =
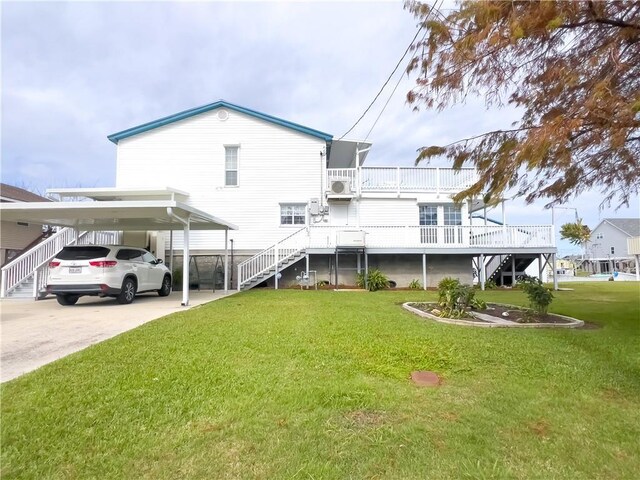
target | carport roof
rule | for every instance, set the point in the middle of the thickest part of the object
(114, 215)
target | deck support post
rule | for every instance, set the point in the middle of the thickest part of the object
(540, 267)
(226, 262)
(275, 276)
(366, 270)
(637, 256)
(482, 273)
(513, 269)
(555, 272)
(424, 271)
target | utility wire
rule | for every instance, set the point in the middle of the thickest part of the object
(398, 82)
(385, 83)
(389, 78)
(387, 102)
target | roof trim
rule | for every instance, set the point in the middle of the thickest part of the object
(145, 127)
(113, 215)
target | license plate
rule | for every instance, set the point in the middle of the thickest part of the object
(75, 269)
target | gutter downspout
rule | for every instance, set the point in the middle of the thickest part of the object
(185, 255)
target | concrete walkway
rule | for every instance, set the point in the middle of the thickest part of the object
(36, 333)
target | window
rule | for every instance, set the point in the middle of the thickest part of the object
(428, 215)
(148, 258)
(452, 215)
(292, 214)
(130, 255)
(231, 166)
(429, 220)
(599, 236)
(613, 251)
(88, 252)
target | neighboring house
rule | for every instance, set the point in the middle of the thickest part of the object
(15, 237)
(566, 265)
(305, 203)
(275, 179)
(607, 251)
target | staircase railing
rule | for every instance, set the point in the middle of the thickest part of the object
(36, 261)
(494, 264)
(271, 257)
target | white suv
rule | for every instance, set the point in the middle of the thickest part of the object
(106, 271)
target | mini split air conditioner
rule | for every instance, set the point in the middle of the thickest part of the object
(341, 187)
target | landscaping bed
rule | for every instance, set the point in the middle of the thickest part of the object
(495, 315)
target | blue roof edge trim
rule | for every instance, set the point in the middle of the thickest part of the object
(145, 127)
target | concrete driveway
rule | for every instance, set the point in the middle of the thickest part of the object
(36, 333)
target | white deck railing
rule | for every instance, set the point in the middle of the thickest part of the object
(36, 261)
(404, 179)
(444, 236)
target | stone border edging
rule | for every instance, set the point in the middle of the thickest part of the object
(573, 322)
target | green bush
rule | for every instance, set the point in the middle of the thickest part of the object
(375, 280)
(454, 298)
(539, 296)
(490, 285)
(478, 304)
(415, 284)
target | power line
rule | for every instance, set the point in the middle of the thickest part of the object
(388, 100)
(389, 78)
(385, 84)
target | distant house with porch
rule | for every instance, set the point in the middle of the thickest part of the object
(607, 251)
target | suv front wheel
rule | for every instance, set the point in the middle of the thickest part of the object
(165, 290)
(128, 292)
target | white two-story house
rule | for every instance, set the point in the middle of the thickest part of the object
(306, 204)
(299, 191)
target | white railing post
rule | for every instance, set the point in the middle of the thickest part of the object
(437, 180)
(239, 278)
(3, 286)
(398, 181)
(35, 284)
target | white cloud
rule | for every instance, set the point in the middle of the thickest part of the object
(75, 72)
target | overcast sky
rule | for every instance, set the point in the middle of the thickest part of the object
(72, 73)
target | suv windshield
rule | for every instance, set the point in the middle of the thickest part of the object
(82, 253)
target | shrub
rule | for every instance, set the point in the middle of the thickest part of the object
(539, 296)
(376, 280)
(454, 298)
(524, 280)
(415, 284)
(478, 304)
(490, 285)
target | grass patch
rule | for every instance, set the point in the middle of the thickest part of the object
(315, 384)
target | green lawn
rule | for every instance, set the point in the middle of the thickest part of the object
(293, 384)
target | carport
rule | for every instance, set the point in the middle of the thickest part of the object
(124, 209)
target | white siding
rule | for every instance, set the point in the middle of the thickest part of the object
(398, 211)
(611, 237)
(392, 212)
(276, 165)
